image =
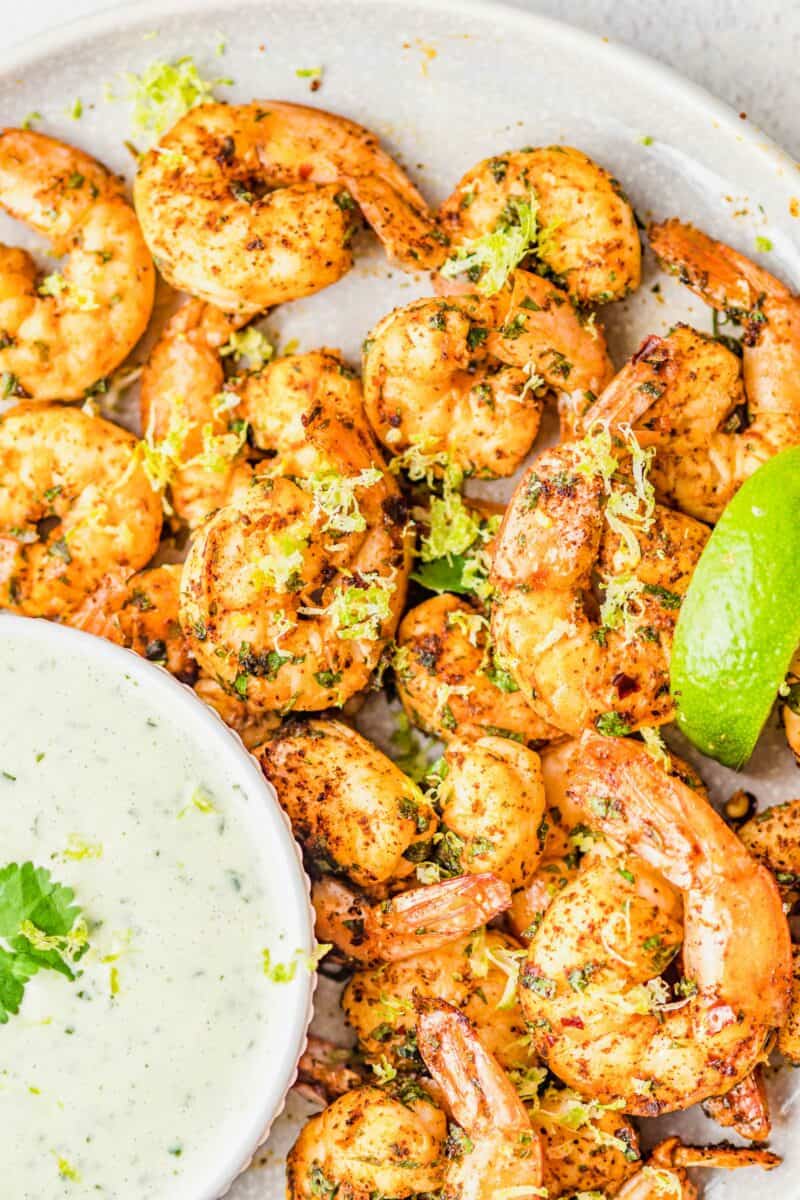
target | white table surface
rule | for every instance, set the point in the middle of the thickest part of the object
(745, 53)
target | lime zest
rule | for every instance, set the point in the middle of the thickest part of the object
(335, 500)
(165, 92)
(488, 260)
(250, 344)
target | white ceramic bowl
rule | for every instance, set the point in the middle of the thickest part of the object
(284, 878)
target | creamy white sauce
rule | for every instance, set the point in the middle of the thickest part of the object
(132, 1081)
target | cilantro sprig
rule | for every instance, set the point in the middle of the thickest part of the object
(40, 929)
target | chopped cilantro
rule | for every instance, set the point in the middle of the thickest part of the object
(40, 928)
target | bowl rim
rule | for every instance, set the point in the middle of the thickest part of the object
(198, 719)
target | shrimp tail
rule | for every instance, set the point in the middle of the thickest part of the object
(419, 920)
(479, 1094)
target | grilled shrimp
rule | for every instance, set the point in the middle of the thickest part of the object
(664, 1174)
(305, 410)
(570, 846)
(251, 205)
(423, 919)
(466, 376)
(291, 593)
(687, 393)
(577, 1146)
(773, 838)
(476, 973)
(252, 725)
(188, 416)
(451, 682)
(199, 423)
(584, 987)
(61, 334)
(745, 1108)
(141, 612)
(368, 1144)
(501, 1154)
(75, 505)
(492, 803)
(789, 1033)
(587, 234)
(568, 518)
(352, 809)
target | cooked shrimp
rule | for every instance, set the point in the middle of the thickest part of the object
(745, 1108)
(581, 1146)
(199, 423)
(476, 973)
(452, 683)
(252, 725)
(368, 1144)
(61, 334)
(352, 809)
(305, 410)
(492, 803)
(773, 838)
(423, 919)
(75, 505)
(290, 593)
(587, 1147)
(192, 429)
(587, 234)
(251, 205)
(141, 612)
(561, 527)
(501, 1154)
(789, 1032)
(466, 376)
(564, 835)
(324, 1072)
(687, 393)
(594, 1020)
(664, 1175)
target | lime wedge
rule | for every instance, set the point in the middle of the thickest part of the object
(740, 620)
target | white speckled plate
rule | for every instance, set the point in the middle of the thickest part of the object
(446, 82)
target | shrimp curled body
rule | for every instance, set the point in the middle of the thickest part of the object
(465, 376)
(576, 668)
(252, 205)
(75, 504)
(588, 237)
(61, 334)
(590, 1025)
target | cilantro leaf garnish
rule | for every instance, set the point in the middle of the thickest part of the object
(41, 929)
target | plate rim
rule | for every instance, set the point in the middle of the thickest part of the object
(122, 16)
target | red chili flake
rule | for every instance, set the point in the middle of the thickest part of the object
(624, 684)
(572, 1022)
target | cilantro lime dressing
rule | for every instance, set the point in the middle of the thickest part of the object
(135, 1078)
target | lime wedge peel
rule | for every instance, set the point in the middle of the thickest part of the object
(740, 620)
